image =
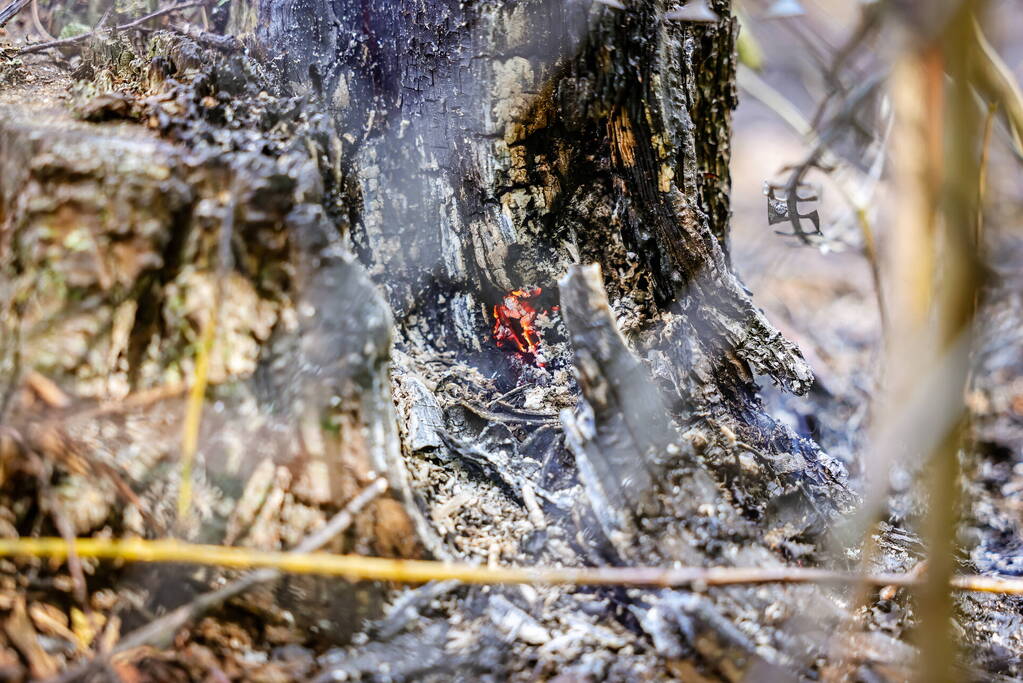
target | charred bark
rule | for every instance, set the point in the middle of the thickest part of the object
(444, 154)
(655, 499)
(493, 145)
(119, 248)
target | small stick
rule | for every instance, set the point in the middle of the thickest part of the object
(81, 37)
(161, 631)
(995, 77)
(193, 411)
(11, 10)
(47, 390)
(197, 394)
(166, 626)
(505, 396)
(985, 152)
(358, 567)
(103, 19)
(67, 532)
(536, 517)
(40, 29)
(139, 399)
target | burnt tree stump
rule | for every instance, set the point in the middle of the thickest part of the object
(379, 199)
(119, 247)
(495, 144)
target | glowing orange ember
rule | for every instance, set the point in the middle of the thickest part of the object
(514, 321)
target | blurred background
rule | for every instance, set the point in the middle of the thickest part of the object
(822, 295)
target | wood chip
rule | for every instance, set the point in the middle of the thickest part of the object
(47, 390)
(23, 636)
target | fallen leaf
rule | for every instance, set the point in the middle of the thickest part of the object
(23, 636)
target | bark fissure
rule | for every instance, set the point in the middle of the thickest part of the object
(393, 170)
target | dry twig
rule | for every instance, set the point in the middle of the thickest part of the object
(165, 627)
(197, 394)
(11, 10)
(74, 40)
(995, 78)
(38, 24)
(193, 412)
(857, 198)
(160, 632)
(358, 567)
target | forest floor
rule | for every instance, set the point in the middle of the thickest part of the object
(823, 302)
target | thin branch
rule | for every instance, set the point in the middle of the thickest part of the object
(985, 153)
(82, 37)
(47, 390)
(193, 410)
(953, 311)
(11, 10)
(788, 112)
(165, 627)
(358, 567)
(160, 632)
(996, 79)
(858, 201)
(197, 394)
(40, 29)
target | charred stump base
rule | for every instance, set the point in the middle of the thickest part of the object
(380, 209)
(123, 244)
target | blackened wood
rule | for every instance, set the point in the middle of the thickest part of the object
(656, 502)
(107, 260)
(493, 144)
(626, 420)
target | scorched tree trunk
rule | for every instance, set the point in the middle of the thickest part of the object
(438, 205)
(489, 145)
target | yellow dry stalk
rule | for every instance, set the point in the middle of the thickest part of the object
(996, 79)
(359, 567)
(747, 47)
(193, 414)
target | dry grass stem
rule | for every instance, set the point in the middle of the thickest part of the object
(358, 567)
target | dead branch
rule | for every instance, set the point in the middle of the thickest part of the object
(47, 390)
(164, 628)
(11, 10)
(74, 40)
(995, 79)
(38, 24)
(160, 632)
(360, 567)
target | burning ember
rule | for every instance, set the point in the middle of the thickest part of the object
(514, 322)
